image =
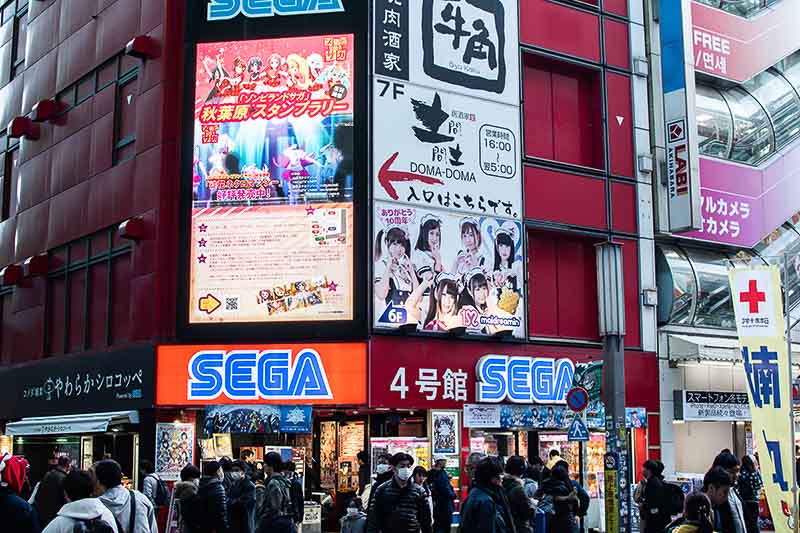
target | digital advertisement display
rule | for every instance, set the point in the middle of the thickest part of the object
(442, 271)
(272, 181)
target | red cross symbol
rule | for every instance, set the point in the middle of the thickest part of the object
(753, 296)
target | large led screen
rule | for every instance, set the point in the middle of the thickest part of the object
(272, 181)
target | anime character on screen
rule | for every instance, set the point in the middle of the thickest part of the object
(427, 255)
(199, 177)
(470, 256)
(275, 73)
(315, 66)
(224, 161)
(294, 161)
(217, 75)
(476, 295)
(394, 272)
(297, 68)
(337, 80)
(441, 313)
(231, 85)
(255, 69)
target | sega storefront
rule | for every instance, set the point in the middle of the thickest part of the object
(510, 400)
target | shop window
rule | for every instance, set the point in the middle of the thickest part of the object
(563, 112)
(81, 293)
(714, 306)
(752, 134)
(19, 35)
(781, 102)
(125, 117)
(714, 122)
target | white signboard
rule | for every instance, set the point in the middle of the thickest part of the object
(441, 150)
(481, 416)
(470, 46)
(710, 406)
(752, 299)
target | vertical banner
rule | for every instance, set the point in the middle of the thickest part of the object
(174, 449)
(760, 324)
(677, 73)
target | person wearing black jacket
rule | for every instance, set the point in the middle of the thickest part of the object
(443, 495)
(735, 509)
(655, 516)
(398, 505)
(564, 496)
(50, 495)
(207, 511)
(241, 500)
(522, 508)
(363, 470)
(749, 487)
(486, 508)
(717, 486)
(295, 491)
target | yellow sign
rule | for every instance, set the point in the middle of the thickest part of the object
(612, 501)
(760, 324)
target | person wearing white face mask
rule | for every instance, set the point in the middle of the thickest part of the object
(355, 521)
(398, 505)
(383, 473)
(241, 501)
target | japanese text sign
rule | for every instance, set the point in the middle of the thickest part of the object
(447, 151)
(271, 237)
(719, 406)
(760, 323)
(468, 46)
(324, 373)
(117, 380)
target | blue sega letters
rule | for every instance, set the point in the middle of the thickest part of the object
(254, 374)
(523, 379)
(228, 9)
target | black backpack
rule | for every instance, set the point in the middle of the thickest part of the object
(673, 499)
(161, 496)
(95, 525)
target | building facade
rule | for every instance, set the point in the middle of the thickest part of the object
(321, 231)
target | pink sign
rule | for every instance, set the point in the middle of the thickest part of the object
(737, 48)
(740, 204)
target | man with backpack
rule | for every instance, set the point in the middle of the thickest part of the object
(132, 510)
(277, 515)
(296, 491)
(153, 486)
(50, 496)
(521, 506)
(655, 499)
(206, 511)
(82, 513)
(443, 495)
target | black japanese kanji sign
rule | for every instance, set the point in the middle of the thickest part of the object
(116, 380)
(391, 38)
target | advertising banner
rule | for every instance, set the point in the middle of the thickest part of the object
(174, 449)
(715, 406)
(679, 116)
(758, 308)
(305, 374)
(418, 448)
(471, 45)
(447, 151)
(445, 432)
(553, 417)
(438, 271)
(737, 48)
(272, 181)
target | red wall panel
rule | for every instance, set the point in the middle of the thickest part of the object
(560, 28)
(630, 258)
(617, 7)
(618, 53)
(623, 207)
(565, 198)
(542, 285)
(620, 124)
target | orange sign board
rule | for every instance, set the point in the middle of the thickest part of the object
(294, 373)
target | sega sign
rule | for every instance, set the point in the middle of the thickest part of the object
(523, 379)
(317, 373)
(228, 9)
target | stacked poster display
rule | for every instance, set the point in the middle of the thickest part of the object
(448, 243)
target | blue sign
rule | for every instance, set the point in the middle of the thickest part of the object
(523, 379)
(394, 315)
(295, 419)
(228, 9)
(577, 399)
(253, 375)
(578, 432)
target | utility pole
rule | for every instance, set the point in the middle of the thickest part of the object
(611, 303)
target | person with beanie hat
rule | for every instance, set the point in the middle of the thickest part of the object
(18, 515)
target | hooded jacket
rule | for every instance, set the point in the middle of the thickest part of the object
(242, 506)
(354, 523)
(277, 499)
(521, 507)
(73, 512)
(50, 495)
(118, 501)
(18, 515)
(207, 510)
(564, 518)
(486, 511)
(183, 489)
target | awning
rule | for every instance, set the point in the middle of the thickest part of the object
(70, 424)
(699, 348)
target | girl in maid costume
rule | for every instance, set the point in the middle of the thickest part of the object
(442, 312)
(507, 271)
(395, 278)
(476, 294)
(470, 256)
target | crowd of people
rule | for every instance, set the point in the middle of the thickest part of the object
(515, 496)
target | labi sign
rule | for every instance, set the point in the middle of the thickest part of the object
(228, 9)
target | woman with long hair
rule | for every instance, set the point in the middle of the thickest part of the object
(470, 255)
(427, 255)
(749, 485)
(698, 516)
(395, 278)
(476, 294)
(442, 311)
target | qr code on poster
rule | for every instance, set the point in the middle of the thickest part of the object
(231, 303)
